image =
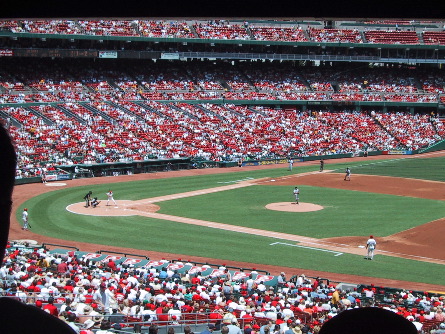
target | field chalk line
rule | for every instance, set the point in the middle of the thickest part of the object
(312, 248)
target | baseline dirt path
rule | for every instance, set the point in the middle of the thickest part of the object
(422, 246)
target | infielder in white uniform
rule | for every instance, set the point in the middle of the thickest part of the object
(110, 198)
(370, 246)
(297, 195)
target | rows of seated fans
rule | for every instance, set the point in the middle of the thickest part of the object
(175, 293)
(221, 29)
(48, 82)
(107, 126)
(122, 130)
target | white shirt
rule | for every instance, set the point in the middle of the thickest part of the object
(371, 243)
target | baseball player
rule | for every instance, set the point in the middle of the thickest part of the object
(321, 165)
(348, 174)
(25, 219)
(370, 246)
(110, 198)
(94, 202)
(291, 163)
(297, 195)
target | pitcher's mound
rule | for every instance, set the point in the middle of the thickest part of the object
(292, 207)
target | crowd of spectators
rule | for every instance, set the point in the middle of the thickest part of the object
(246, 95)
(221, 29)
(282, 34)
(108, 112)
(418, 133)
(227, 30)
(38, 82)
(100, 132)
(110, 294)
(335, 35)
(65, 27)
(275, 79)
(165, 29)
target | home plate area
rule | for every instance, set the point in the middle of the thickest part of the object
(293, 207)
(123, 208)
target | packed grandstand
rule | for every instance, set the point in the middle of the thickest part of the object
(176, 294)
(86, 92)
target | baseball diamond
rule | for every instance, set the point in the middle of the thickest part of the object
(419, 243)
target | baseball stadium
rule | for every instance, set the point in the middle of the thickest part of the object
(201, 130)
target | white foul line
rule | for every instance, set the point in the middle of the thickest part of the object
(318, 249)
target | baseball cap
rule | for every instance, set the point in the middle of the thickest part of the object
(212, 326)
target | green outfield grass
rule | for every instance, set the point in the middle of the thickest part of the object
(417, 168)
(345, 213)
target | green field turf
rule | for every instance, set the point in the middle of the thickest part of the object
(417, 168)
(346, 213)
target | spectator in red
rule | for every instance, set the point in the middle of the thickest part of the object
(195, 279)
(162, 313)
(51, 308)
(112, 265)
(216, 314)
(62, 267)
(247, 318)
(39, 304)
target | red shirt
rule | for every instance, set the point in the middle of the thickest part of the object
(112, 265)
(247, 317)
(62, 267)
(69, 288)
(214, 316)
(52, 309)
(88, 298)
(162, 314)
(187, 308)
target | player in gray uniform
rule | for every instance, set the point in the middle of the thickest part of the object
(25, 219)
(291, 163)
(297, 195)
(348, 174)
